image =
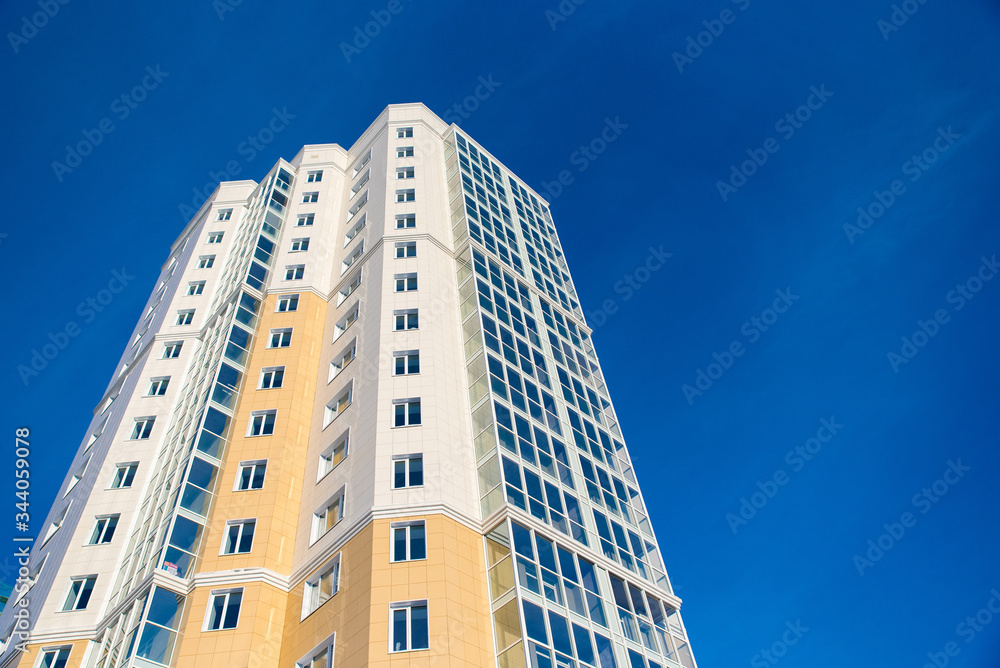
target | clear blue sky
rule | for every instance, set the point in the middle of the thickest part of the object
(879, 95)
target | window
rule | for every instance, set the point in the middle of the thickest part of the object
(225, 214)
(261, 423)
(158, 386)
(407, 249)
(223, 609)
(407, 471)
(206, 261)
(57, 523)
(294, 272)
(404, 152)
(360, 203)
(239, 536)
(408, 626)
(346, 291)
(104, 529)
(308, 198)
(341, 362)
(251, 475)
(353, 257)
(404, 173)
(172, 350)
(314, 177)
(55, 658)
(361, 163)
(406, 221)
(143, 426)
(78, 596)
(124, 475)
(406, 282)
(405, 412)
(305, 221)
(287, 303)
(280, 338)
(299, 245)
(345, 322)
(215, 238)
(77, 476)
(402, 133)
(185, 317)
(271, 377)
(321, 588)
(327, 518)
(357, 227)
(335, 408)
(409, 541)
(196, 288)
(321, 659)
(332, 456)
(406, 195)
(405, 319)
(406, 363)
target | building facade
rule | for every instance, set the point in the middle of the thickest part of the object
(361, 422)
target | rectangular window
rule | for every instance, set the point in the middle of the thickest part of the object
(305, 221)
(104, 529)
(406, 221)
(404, 152)
(341, 362)
(361, 163)
(355, 229)
(336, 408)
(124, 475)
(172, 350)
(348, 289)
(158, 386)
(225, 214)
(314, 177)
(251, 475)
(317, 659)
(327, 518)
(332, 456)
(271, 377)
(406, 249)
(196, 288)
(239, 536)
(223, 609)
(407, 471)
(143, 427)
(404, 173)
(321, 588)
(353, 257)
(408, 626)
(308, 198)
(299, 245)
(406, 363)
(215, 238)
(406, 282)
(405, 319)
(280, 338)
(261, 423)
(345, 322)
(55, 658)
(78, 596)
(403, 133)
(405, 412)
(287, 303)
(406, 195)
(185, 317)
(206, 261)
(360, 203)
(294, 272)
(409, 541)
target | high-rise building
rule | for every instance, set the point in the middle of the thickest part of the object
(360, 422)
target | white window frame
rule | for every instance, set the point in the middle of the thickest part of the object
(401, 282)
(147, 422)
(405, 173)
(195, 288)
(273, 371)
(349, 289)
(406, 412)
(172, 350)
(404, 218)
(263, 424)
(355, 229)
(404, 151)
(100, 531)
(405, 313)
(405, 527)
(158, 386)
(360, 183)
(404, 133)
(79, 594)
(215, 237)
(287, 301)
(345, 323)
(124, 468)
(357, 206)
(327, 458)
(56, 523)
(305, 220)
(184, 317)
(310, 197)
(408, 606)
(297, 272)
(252, 465)
(339, 364)
(227, 593)
(403, 249)
(242, 524)
(224, 214)
(406, 460)
(314, 176)
(405, 355)
(360, 164)
(282, 341)
(406, 195)
(353, 257)
(299, 245)
(312, 589)
(44, 659)
(326, 647)
(206, 261)
(335, 408)
(319, 521)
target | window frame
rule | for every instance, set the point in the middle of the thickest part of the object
(320, 516)
(407, 412)
(305, 220)
(406, 195)
(206, 261)
(312, 590)
(124, 466)
(282, 343)
(295, 272)
(402, 282)
(287, 300)
(407, 470)
(405, 355)
(342, 442)
(405, 314)
(195, 288)
(264, 423)
(405, 247)
(403, 221)
(251, 464)
(99, 532)
(158, 386)
(86, 593)
(237, 544)
(143, 433)
(408, 606)
(210, 609)
(302, 243)
(275, 372)
(338, 408)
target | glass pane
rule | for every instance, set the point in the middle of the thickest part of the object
(418, 542)
(399, 630)
(418, 627)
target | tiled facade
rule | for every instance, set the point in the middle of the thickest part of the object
(360, 422)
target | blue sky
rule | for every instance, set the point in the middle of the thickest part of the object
(887, 92)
